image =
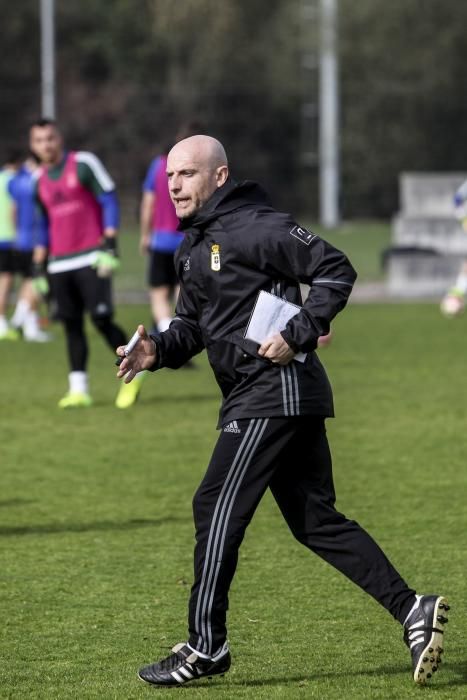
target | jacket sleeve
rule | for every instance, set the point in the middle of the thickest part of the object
(182, 340)
(285, 249)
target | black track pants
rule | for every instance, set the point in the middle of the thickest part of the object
(292, 457)
(77, 344)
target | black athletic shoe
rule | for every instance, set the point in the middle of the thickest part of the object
(184, 665)
(423, 634)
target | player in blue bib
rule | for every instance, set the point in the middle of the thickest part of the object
(22, 189)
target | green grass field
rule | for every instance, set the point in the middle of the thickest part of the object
(363, 242)
(96, 532)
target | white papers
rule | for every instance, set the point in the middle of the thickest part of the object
(271, 315)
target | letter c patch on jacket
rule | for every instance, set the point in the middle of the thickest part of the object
(302, 235)
(215, 257)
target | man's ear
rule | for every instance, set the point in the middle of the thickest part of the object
(222, 173)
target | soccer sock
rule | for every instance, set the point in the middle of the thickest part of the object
(78, 382)
(461, 283)
(413, 608)
(20, 313)
(31, 323)
(162, 326)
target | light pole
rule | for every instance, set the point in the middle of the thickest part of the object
(328, 116)
(47, 58)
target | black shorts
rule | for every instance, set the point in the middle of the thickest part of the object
(6, 260)
(16, 262)
(161, 270)
(22, 260)
(77, 291)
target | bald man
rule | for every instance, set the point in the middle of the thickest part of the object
(272, 417)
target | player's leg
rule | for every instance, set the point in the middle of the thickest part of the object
(70, 311)
(237, 476)
(78, 352)
(304, 490)
(163, 292)
(161, 308)
(162, 282)
(21, 309)
(453, 302)
(97, 295)
(6, 283)
(26, 315)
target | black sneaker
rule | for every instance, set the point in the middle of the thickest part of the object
(184, 665)
(423, 634)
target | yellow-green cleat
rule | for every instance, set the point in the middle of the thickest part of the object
(128, 393)
(75, 399)
(11, 334)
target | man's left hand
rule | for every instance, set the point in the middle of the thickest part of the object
(107, 262)
(276, 349)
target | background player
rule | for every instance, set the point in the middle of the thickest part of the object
(7, 237)
(159, 236)
(22, 188)
(453, 302)
(77, 230)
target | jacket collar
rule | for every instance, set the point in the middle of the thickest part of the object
(231, 196)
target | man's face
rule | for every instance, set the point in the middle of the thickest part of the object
(191, 181)
(46, 143)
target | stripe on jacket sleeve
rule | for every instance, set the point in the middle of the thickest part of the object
(98, 170)
(324, 280)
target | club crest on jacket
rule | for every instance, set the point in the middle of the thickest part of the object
(215, 257)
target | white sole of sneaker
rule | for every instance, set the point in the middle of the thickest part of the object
(178, 684)
(430, 659)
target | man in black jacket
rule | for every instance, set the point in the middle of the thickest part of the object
(272, 418)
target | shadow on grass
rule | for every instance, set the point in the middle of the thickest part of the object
(440, 682)
(164, 398)
(99, 526)
(168, 398)
(12, 502)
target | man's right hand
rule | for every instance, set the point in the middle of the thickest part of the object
(143, 356)
(144, 242)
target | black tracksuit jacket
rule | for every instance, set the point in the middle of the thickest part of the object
(235, 246)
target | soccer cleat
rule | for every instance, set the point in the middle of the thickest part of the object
(39, 336)
(423, 634)
(128, 393)
(10, 334)
(184, 665)
(75, 399)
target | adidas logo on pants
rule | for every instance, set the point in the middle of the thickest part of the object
(232, 427)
